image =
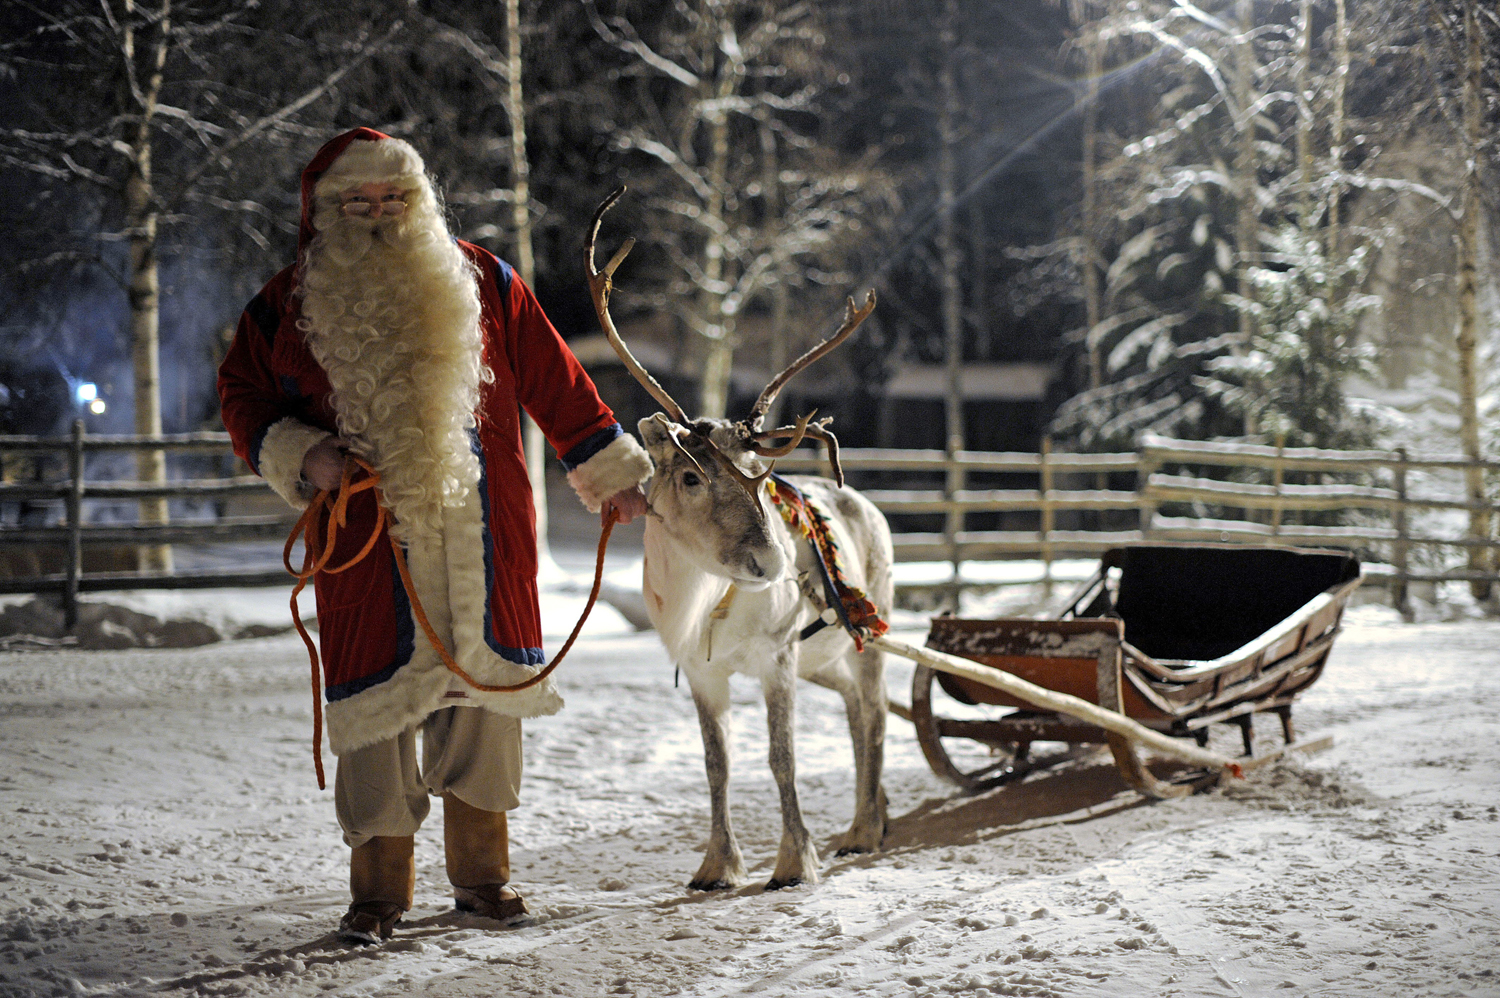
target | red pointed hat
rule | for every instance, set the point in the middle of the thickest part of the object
(357, 156)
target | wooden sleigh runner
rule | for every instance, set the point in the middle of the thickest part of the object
(1175, 637)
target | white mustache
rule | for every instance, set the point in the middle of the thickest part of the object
(349, 239)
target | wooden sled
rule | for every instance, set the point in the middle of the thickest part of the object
(1176, 637)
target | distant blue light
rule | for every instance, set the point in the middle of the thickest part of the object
(86, 391)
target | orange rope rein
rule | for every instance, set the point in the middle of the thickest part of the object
(315, 559)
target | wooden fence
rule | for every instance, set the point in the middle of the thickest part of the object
(1080, 505)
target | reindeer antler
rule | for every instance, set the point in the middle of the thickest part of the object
(750, 483)
(748, 429)
(852, 318)
(600, 285)
(819, 431)
(795, 432)
(831, 444)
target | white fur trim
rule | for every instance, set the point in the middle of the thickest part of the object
(363, 162)
(622, 464)
(449, 579)
(281, 452)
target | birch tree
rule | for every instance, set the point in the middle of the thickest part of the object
(502, 68)
(1472, 40)
(1435, 66)
(133, 106)
(721, 103)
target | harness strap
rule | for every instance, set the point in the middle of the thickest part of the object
(315, 560)
(846, 601)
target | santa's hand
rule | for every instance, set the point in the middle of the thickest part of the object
(629, 503)
(323, 464)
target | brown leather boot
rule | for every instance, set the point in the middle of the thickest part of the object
(382, 876)
(477, 844)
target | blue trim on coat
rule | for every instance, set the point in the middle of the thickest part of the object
(503, 274)
(345, 690)
(523, 656)
(405, 645)
(595, 443)
(257, 441)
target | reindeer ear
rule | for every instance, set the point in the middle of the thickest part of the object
(656, 434)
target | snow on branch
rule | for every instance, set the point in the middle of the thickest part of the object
(485, 55)
(620, 33)
(1393, 184)
(634, 139)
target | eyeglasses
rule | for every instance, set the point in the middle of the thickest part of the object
(394, 206)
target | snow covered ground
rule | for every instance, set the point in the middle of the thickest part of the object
(161, 833)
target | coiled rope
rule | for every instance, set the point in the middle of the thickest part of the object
(318, 550)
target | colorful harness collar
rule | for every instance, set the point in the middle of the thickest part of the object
(855, 612)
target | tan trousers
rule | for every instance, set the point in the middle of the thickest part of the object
(470, 752)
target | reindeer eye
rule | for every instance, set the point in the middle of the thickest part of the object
(689, 479)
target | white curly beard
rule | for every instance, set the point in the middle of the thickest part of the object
(390, 309)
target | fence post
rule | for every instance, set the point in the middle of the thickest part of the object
(1400, 598)
(1278, 473)
(1048, 517)
(75, 525)
(1145, 466)
(953, 522)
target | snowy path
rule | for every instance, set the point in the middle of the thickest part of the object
(161, 833)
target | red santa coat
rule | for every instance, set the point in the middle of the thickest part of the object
(478, 583)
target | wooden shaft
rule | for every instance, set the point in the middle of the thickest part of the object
(1063, 703)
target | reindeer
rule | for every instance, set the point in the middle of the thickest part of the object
(727, 584)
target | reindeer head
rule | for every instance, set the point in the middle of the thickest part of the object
(706, 495)
(707, 490)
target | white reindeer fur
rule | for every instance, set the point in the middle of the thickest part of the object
(685, 578)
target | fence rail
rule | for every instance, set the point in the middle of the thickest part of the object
(1175, 474)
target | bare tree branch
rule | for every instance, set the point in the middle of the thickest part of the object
(221, 154)
(668, 156)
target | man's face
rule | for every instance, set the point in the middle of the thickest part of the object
(373, 200)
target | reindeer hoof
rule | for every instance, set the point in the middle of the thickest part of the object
(710, 885)
(861, 842)
(776, 885)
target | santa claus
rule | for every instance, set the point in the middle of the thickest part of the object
(392, 341)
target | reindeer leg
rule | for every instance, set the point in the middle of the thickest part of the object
(864, 703)
(722, 867)
(796, 860)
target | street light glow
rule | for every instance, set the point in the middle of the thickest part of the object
(86, 391)
(97, 407)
